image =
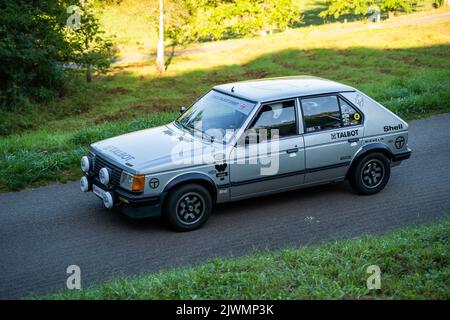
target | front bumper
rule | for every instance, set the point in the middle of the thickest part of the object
(138, 206)
(134, 205)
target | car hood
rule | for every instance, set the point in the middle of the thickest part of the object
(154, 150)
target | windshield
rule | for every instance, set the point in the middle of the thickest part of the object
(216, 115)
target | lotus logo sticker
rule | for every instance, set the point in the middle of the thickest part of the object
(400, 142)
(153, 183)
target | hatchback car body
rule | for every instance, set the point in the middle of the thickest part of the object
(248, 139)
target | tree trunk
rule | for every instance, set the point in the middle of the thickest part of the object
(160, 48)
(86, 47)
(89, 73)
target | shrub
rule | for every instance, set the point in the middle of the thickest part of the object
(220, 19)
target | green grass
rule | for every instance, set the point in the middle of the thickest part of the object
(414, 264)
(31, 159)
(407, 69)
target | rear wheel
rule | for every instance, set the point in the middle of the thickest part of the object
(188, 207)
(371, 173)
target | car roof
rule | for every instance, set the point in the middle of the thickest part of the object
(280, 88)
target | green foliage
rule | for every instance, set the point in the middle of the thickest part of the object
(89, 48)
(398, 5)
(221, 19)
(34, 45)
(414, 264)
(438, 3)
(31, 45)
(337, 8)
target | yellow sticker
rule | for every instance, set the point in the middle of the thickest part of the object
(356, 116)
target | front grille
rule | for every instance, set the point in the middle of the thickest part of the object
(99, 163)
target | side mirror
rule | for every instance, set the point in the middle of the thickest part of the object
(182, 110)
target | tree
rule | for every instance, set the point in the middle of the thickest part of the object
(336, 8)
(395, 5)
(88, 46)
(205, 20)
(160, 48)
(31, 51)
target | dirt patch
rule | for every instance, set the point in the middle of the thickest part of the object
(152, 106)
(413, 61)
(117, 90)
(255, 74)
(111, 118)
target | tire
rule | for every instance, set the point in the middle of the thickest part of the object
(187, 207)
(370, 174)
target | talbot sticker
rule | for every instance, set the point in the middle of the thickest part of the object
(344, 134)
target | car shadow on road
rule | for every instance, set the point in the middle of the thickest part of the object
(229, 212)
(283, 197)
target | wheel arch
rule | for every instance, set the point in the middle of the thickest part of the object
(194, 178)
(369, 148)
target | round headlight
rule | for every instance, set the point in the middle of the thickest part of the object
(104, 176)
(108, 200)
(85, 185)
(85, 164)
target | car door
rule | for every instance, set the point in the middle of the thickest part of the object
(269, 157)
(333, 134)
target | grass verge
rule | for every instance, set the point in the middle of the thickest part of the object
(414, 264)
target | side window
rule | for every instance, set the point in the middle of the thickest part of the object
(276, 116)
(350, 116)
(321, 113)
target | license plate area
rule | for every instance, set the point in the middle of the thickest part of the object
(99, 192)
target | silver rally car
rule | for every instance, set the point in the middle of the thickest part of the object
(248, 139)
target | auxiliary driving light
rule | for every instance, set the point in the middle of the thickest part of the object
(108, 200)
(104, 176)
(85, 164)
(85, 184)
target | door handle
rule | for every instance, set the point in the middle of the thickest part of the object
(353, 140)
(293, 150)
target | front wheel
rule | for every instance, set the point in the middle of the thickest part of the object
(371, 173)
(188, 207)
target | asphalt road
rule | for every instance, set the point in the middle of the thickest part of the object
(42, 231)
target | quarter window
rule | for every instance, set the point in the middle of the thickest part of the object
(350, 116)
(321, 113)
(275, 117)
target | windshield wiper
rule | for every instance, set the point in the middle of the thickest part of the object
(194, 129)
(181, 124)
(211, 138)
